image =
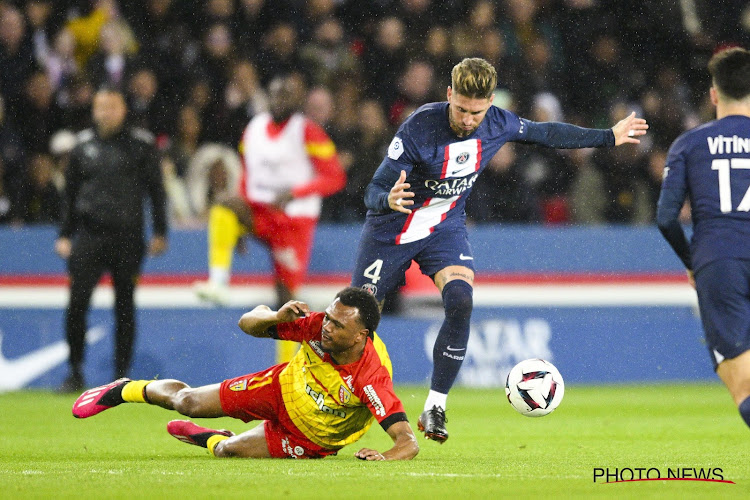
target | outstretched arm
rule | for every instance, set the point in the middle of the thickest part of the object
(627, 129)
(259, 320)
(567, 136)
(405, 445)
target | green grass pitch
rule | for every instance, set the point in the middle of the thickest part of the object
(493, 452)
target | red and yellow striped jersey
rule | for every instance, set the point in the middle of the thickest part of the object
(334, 405)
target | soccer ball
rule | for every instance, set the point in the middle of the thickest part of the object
(534, 387)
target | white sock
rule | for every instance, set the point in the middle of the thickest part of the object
(435, 399)
(218, 276)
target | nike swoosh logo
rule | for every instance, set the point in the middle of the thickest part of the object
(17, 373)
(465, 257)
(456, 348)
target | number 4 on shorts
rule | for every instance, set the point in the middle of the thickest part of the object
(373, 271)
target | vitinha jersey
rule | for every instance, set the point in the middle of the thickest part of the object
(442, 168)
(334, 405)
(710, 165)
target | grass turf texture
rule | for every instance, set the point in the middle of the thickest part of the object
(493, 452)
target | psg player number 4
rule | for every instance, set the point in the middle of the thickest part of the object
(373, 271)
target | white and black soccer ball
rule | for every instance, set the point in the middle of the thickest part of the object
(534, 387)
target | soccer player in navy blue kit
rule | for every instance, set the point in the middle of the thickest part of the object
(416, 204)
(710, 165)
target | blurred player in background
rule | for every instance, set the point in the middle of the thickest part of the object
(289, 165)
(111, 170)
(710, 165)
(321, 401)
(416, 204)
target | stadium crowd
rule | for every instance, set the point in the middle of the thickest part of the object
(196, 71)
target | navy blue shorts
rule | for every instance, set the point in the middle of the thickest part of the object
(380, 266)
(724, 299)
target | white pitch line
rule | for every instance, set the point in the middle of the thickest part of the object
(318, 296)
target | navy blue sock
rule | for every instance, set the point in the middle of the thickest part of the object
(745, 410)
(450, 346)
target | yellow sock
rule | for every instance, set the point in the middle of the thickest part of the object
(213, 441)
(224, 229)
(133, 391)
(285, 350)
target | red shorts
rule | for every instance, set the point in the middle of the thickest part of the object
(257, 396)
(290, 240)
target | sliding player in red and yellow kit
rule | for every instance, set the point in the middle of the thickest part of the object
(324, 399)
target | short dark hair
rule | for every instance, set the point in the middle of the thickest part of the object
(730, 72)
(366, 304)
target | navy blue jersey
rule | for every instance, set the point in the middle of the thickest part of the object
(710, 165)
(441, 167)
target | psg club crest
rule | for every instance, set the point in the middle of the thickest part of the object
(369, 287)
(462, 158)
(238, 386)
(344, 394)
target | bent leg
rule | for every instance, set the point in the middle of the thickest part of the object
(198, 402)
(250, 444)
(227, 222)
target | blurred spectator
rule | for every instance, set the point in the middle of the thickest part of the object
(42, 116)
(186, 140)
(243, 98)
(113, 63)
(360, 153)
(213, 174)
(666, 107)
(313, 14)
(279, 54)
(327, 57)
(383, 59)
(217, 56)
(438, 51)
(416, 86)
(657, 159)
(348, 95)
(611, 77)
(541, 75)
(501, 194)
(546, 170)
(16, 58)
(42, 199)
(166, 46)
(523, 23)
(77, 107)
(254, 18)
(587, 198)
(12, 171)
(147, 109)
(86, 23)
(418, 16)
(467, 35)
(319, 107)
(38, 14)
(61, 65)
(626, 199)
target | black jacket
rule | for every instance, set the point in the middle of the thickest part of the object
(106, 181)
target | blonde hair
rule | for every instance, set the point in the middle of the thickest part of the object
(474, 77)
